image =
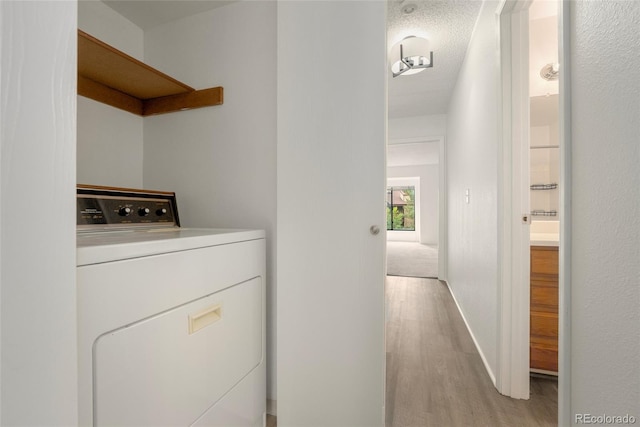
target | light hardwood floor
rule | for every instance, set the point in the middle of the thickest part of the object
(435, 376)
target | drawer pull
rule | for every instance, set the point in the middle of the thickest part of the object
(204, 318)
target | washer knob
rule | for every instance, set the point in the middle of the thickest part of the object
(124, 211)
(161, 211)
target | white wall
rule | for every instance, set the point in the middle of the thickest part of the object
(605, 224)
(109, 140)
(472, 164)
(545, 162)
(429, 181)
(221, 161)
(543, 49)
(417, 126)
(104, 23)
(331, 188)
(109, 145)
(38, 359)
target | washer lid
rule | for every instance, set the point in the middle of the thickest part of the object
(100, 247)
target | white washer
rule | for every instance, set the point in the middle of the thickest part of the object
(171, 327)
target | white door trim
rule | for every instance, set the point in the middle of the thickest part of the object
(442, 197)
(565, 411)
(443, 219)
(512, 373)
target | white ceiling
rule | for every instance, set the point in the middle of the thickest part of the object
(448, 25)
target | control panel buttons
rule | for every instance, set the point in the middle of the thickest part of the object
(101, 209)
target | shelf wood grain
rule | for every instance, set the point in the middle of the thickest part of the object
(183, 101)
(112, 77)
(101, 93)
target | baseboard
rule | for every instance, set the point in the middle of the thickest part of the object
(473, 337)
(272, 407)
(543, 372)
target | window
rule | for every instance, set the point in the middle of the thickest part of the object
(401, 209)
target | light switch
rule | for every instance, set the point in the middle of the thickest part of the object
(467, 196)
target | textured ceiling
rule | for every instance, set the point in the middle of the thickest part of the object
(448, 25)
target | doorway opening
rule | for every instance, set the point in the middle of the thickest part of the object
(413, 208)
(531, 198)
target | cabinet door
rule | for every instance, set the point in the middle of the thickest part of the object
(544, 308)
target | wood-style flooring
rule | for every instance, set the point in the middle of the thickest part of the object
(435, 376)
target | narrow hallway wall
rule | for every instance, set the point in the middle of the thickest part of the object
(472, 147)
(605, 296)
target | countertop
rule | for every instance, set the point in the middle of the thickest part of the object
(544, 239)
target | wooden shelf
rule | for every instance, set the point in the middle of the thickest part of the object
(110, 76)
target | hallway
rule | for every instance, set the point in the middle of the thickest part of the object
(435, 376)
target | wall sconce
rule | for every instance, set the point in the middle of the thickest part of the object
(410, 56)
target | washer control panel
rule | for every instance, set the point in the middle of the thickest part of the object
(105, 208)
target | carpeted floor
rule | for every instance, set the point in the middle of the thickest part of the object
(412, 259)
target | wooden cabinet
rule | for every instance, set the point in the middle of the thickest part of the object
(543, 350)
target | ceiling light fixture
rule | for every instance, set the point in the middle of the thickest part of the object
(410, 56)
(550, 71)
(408, 9)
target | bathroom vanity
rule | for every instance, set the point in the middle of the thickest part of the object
(543, 350)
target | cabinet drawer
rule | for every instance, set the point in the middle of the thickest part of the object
(543, 357)
(544, 325)
(170, 368)
(544, 296)
(544, 260)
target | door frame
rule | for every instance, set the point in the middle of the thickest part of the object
(565, 410)
(512, 376)
(442, 196)
(512, 373)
